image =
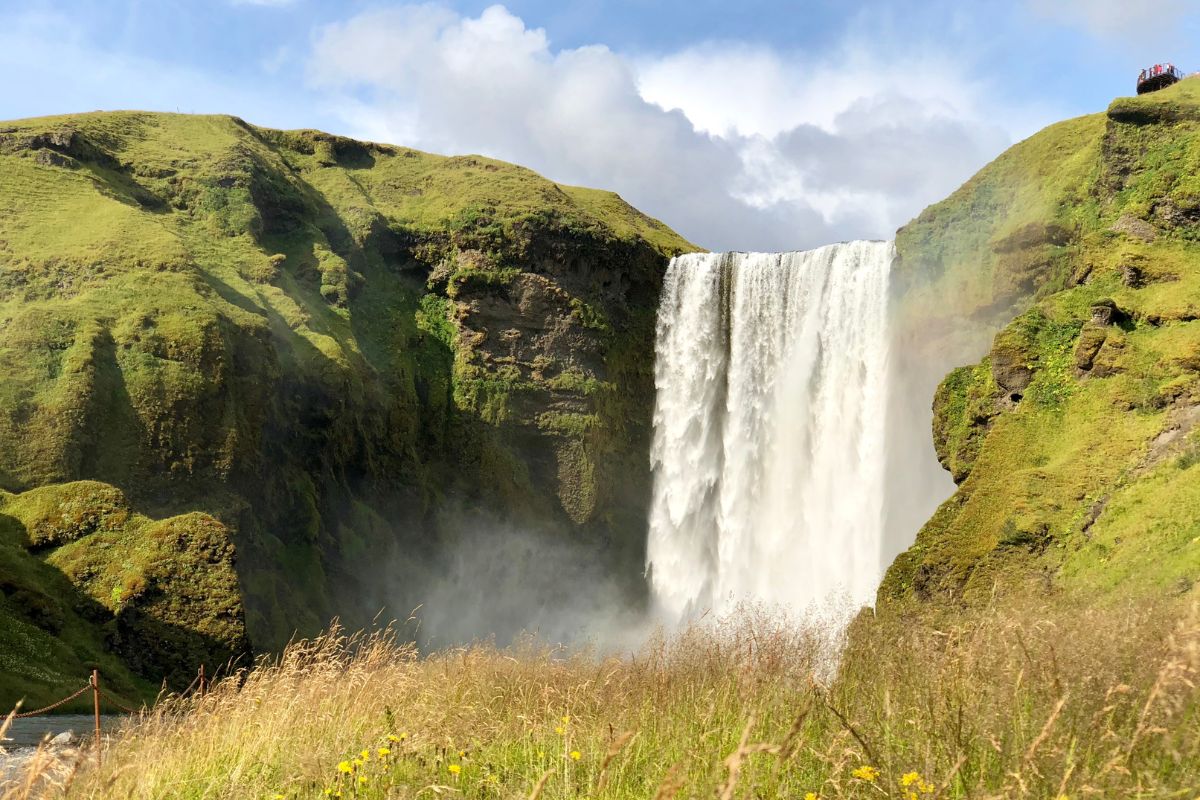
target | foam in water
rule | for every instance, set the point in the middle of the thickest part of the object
(769, 428)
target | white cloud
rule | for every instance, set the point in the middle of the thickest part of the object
(735, 146)
(755, 91)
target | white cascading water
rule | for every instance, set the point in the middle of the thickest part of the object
(769, 426)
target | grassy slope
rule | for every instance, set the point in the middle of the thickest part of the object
(1083, 479)
(261, 326)
(1019, 702)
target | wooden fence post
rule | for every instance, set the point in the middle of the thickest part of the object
(203, 682)
(96, 708)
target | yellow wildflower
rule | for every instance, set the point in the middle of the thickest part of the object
(576, 755)
(811, 796)
(393, 738)
(454, 769)
(541, 754)
(560, 730)
(365, 755)
(362, 779)
(384, 752)
(913, 780)
(566, 718)
(345, 766)
(866, 773)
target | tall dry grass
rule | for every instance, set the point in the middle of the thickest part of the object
(1019, 702)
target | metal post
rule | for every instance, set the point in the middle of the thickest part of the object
(96, 707)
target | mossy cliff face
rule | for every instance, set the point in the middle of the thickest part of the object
(1073, 442)
(298, 351)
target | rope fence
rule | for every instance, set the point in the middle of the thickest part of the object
(52, 706)
(199, 683)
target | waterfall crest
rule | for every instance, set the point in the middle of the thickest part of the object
(769, 429)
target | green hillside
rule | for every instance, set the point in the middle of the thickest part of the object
(1073, 441)
(304, 356)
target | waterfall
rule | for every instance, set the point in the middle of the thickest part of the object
(768, 453)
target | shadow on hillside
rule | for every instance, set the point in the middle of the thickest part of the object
(108, 443)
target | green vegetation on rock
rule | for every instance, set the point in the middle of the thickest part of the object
(295, 350)
(1073, 440)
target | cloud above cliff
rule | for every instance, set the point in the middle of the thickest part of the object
(735, 146)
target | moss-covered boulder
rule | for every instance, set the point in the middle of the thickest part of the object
(963, 408)
(60, 513)
(172, 591)
(85, 576)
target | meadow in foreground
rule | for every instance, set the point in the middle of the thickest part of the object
(1019, 702)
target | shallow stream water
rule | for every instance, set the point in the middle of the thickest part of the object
(24, 735)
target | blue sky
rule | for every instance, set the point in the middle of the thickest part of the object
(756, 125)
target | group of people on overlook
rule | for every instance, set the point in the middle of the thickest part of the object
(1158, 69)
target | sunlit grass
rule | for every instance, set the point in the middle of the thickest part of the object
(1020, 702)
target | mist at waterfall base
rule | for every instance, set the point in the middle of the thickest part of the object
(771, 432)
(501, 582)
(484, 576)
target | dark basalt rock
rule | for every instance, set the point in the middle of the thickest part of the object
(1012, 371)
(1104, 312)
(1131, 276)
